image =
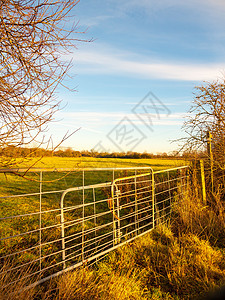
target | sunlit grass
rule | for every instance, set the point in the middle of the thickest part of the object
(178, 261)
(91, 162)
(159, 265)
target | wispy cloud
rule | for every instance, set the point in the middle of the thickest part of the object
(153, 5)
(106, 61)
(99, 119)
(95, 21)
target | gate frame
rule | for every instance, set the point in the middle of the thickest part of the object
(61, 209)
(116, 231)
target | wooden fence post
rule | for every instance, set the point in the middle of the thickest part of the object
(210, 155)
(203, 181)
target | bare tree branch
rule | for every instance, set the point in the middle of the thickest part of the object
(207, 114)
(34, 34)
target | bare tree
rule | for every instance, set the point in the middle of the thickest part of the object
(205, 128)
(34, 34)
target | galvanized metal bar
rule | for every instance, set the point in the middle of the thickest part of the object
(153, 200)
(131, 177)
(40, 209)
(83, 216)
(77, 235)
(136, 203)
(95, 223)
(172, 169)
(118, 214)
(88, 260)
(88, 218)
(113, 213)
(62, 232)
(87, 187)
(169, 186)
(37, 170)
(181, 181)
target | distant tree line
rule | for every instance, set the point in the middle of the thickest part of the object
(13, 152)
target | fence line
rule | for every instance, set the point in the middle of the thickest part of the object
(70, 227)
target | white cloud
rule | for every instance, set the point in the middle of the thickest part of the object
(99, 119)
(110, 61)
(92, 131)
(95, 21)
(155, 5)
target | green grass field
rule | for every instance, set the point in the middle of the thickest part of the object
(12, 185)
(177, 262)
(91, 162)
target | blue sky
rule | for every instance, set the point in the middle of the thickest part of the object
(164, 48)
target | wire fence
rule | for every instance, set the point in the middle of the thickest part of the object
(69, 219)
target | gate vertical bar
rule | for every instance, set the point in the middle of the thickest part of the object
(136, 207)
(180, 182)
(113, 215)
(113, 207)
(118, 215)
(83, 212)
(62, 232)
(169, 186)
(95, 223)
(153, 200)
(40, 220)
(163, 209)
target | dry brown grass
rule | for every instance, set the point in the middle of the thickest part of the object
(16, 291)
(182, 260)
(191, 215)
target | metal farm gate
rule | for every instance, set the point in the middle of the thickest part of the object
(77, 225)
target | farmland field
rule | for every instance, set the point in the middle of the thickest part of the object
(91, 162)
(16, 207)
(12, 184)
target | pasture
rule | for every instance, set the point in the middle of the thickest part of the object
(32, 202)
(92, 162)
(12, 184)
(175, 262)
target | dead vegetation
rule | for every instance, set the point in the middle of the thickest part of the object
(181, 260)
